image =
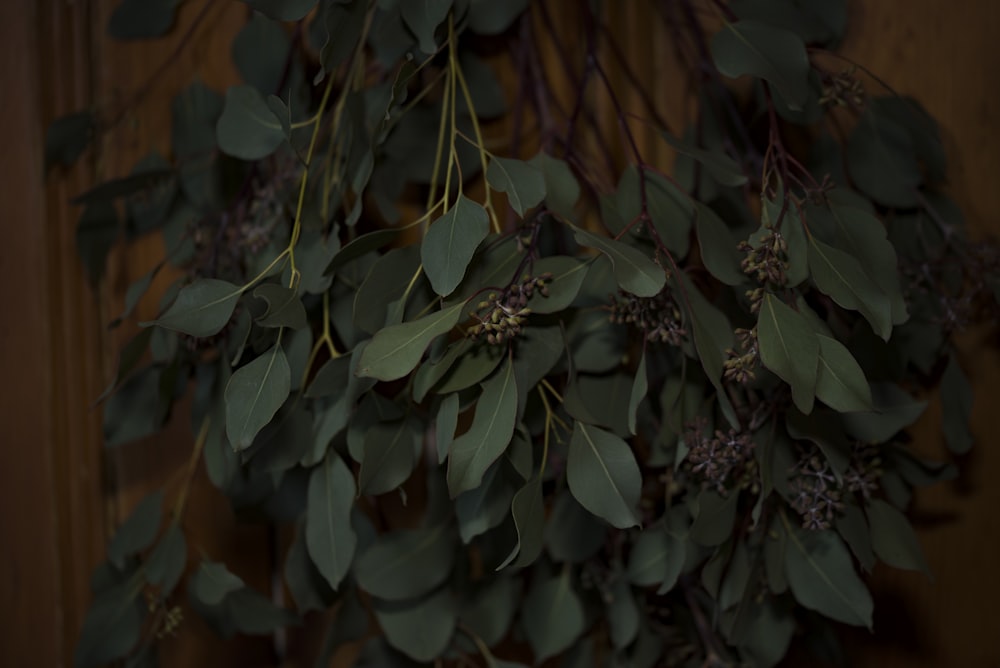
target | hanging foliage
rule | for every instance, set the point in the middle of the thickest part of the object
(654, 423)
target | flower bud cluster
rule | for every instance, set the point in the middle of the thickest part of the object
(739, 366)
(816, 493)
(659, 317)
(818, 496)
(767, 264)
(724, 461)
(502, 314)
(843, 89)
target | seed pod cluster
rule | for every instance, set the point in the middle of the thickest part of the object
(659, 317)
(766, 263)
(501, 315)
(739, 366)
(723, 461)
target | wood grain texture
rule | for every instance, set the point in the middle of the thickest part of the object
(61, 494)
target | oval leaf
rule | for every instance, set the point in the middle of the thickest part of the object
(603, 475)
(490, 434)
(822, 577)
(330, 538)
(840, 382)
(254, 394)
(773, 54)
(394, 351)
(552, 617)
(201, 309)
(893, 538)
(419, 630)
(789, 348)
(450, 243)
(528, 509)
(841, 276)
(248, 129)
(523, 182)
(407, 563)
(633, 271)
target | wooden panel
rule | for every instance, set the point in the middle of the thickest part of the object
(945, 55)
(57, 355)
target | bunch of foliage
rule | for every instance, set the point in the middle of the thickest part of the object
(640, 419)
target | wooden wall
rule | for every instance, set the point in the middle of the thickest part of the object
(61, 494)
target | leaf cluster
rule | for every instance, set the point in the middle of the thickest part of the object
(661, 423)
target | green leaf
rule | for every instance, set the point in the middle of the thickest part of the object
(423, 17)
(166, 563)
(841, 276)
(490, 434)
(201, 309)
(956, 406)
(572, 534)
(385, 284)
(523, 182)
(330, 538)
(552, 616)
(623, 615)
(487, 17)
(489, 608)
(138, 531)
(862, 235)
(853, 528)
(789, 348)
(639, 389)
(247, 128)
(394, 351)
(568, 275)
(212, 582)
(67, 137)
(445, 425)
(389, 456)
(284, 308)
(713, 522)
(361, 246)
(894, 410)
(450, 243)
(307, 586)
(718, 247)
(633, 271)
(657, 558)
(111, 628)
(282, 10)
(254, 394)
(142, 19)
(562, 191)
(894, 539)
(840, 382)
(485, 507)
(421, 629)
(528, 509)
(259, 52)
(406, 563)
(723, 168)
(822, 577)
(769, 53)
(603, 475)
(881, 159)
